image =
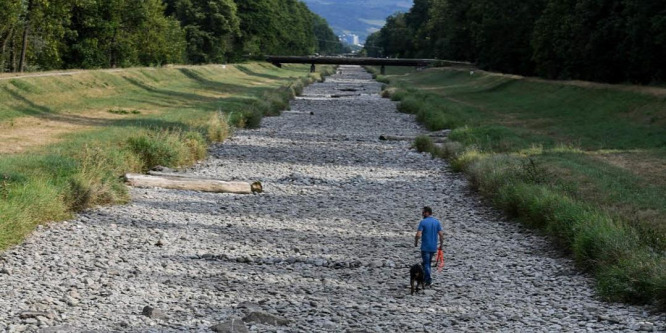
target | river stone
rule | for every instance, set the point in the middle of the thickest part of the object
(234, 325)
(266, 318)
(34, 314)
(58, 329)
(153, 313)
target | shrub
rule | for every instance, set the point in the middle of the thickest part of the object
(434, 119)
(252, 118)
(451, 149)
(465, 158)
(218, 128)
(153, 150)
(297, 88)
(196, 147)
(398, 95)
(167, 148)
(410, 104)
(424, 144)
(381, 79)
(95, 181)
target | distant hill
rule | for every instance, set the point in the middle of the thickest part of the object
(361, 17)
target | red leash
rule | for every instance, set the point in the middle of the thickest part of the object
(440, 260)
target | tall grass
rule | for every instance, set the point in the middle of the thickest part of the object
(188, 109)
(552, 155)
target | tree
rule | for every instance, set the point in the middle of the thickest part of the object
(275, 27)
(211, 27)
(395, 36)
(373, 45)
(327, 41)
(451, 28)
(554, 40)
(36, 32)
(416, 21)
(503, 33)
(9, 20)
(122, 33)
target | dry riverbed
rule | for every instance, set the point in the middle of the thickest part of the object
(327, 247)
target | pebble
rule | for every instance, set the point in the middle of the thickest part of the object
(327, 247)
(230, 326)
(153, 313)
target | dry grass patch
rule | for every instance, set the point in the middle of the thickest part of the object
(651, 168)
(22, 134)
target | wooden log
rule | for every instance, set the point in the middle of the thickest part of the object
(177, 182)
(435, 139)
(168, 174)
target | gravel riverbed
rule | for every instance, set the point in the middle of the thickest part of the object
(325, 249)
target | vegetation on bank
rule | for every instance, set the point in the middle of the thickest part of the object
(67, 140)
(595, 40)
(48, 34)
(584, 163)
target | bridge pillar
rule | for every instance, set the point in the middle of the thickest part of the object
(383, 70)
(313, 68)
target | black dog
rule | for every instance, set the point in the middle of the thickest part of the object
(416, 277)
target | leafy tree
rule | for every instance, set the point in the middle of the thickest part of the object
(122, 33)
(503, 32)
(556, 34)
(211, 27)
(416, 21)
(395, 36)
(9, 20)
(327, 41)
(599, 40)
(373, 45)
(276, 27)
(35, 33)
(452, 30)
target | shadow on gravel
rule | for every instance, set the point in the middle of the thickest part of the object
(307, 238)
(334, 204)
(300, 155)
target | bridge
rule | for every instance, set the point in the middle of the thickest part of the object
(383, 62)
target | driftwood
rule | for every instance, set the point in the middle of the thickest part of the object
(177, 182)
(435, 139)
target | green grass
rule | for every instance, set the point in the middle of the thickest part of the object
(110, 123)
(584, 163)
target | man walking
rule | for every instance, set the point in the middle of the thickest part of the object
(428, 230)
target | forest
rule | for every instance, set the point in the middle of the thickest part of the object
(60, 34)
(614, 41)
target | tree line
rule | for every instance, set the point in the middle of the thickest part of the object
(597, 40)
(61, 34)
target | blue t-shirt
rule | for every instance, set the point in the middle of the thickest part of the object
(430, 227)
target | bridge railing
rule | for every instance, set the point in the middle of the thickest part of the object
(279, 60)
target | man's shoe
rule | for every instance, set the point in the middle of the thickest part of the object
(428, 284)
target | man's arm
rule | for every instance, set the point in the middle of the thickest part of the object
(417, 237)
(441, 239)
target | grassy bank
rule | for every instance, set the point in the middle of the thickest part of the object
(584, 163)
(66, 140)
